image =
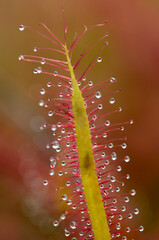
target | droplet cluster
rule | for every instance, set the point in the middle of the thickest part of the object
(64, 164)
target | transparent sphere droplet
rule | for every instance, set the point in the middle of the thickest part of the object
(51, 173)
(39, 70)
(98, 94)
(73, 225)
(42, 91)
(55, 73)
(124, 145)
(90, 83)
(55, 145)
(42, 61)
(59, 84)
(127, 229)
(84, 78)
(136, 211)
(21, 58)
(99, 59)
(50, 113)
(133, 192)
(127, 159)
(119, 168)
(35, 49)
(112, 79)
(112, 100)
(41, 103)
(141, 228)
(63, 217)
(100, 106)
(21, 27)
(131, 121)
(106, 43)
(45, 182)
(107, 122)
(124, 238)
(49, 84)
(56, 223)
(130, 216)
(64, 197)
(53, 128)
(126, 199)
(35, 71)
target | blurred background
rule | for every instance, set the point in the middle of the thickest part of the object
(132, 56)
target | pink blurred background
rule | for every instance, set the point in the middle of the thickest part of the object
(26, 207)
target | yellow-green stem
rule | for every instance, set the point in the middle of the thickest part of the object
(86, 162)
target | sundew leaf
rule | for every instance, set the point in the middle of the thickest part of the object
(84, 151)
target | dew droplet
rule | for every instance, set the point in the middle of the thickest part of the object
(99, 59)
(63, 217)
(55, 144)
(42, 91)
(35, 71)
(141, 228)
(56, 223)
(55, 73)
(21, 27)
(45, 182)
(39, 69)
(49, 84)
(50, 113)
(112, 79)
(107, 122)
(84, 78)
(100, 106)
(51, 173)
(133, 192)
(73, 225)
(98, 94)
(42, 61)
(119, 168)
(41, 103)
(35, 49)
(53, 128)
(112, 100)
(90, 83)
(127, 159)
(131, 121)
(136, 211)
(64, 197)
(124, 145)
(21, 58)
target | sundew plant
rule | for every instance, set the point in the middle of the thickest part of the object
(84, 151)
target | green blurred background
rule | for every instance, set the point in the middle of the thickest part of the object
(26, 207)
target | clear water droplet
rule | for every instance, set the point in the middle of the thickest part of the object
(55, 73)
(112, 100)
(98, 94)
(55, 144)
(141, 228)
(64, 197)
(21, 58)
(136, 211)
(99, 59)
(53, 128)
(133, 192)
(51, 173)
(50, 113)
(107, 122)
(56, 223)
(42, 61)
(35, 49)
(21, 27)
(41, 103)
(73, 225)
(42, 91)
(124, 146)
(49, 84)
(45, 182)
(112, 79)
(90, 83)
